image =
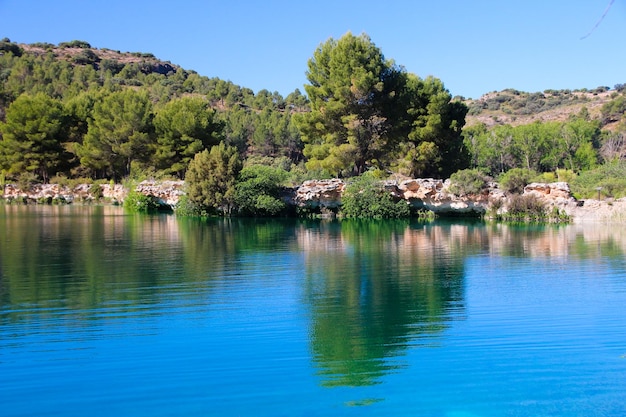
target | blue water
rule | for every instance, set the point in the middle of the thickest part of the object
(103, 313)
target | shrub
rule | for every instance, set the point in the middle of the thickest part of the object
(526, 206)
(468, 182)
(96, 191)
(610, 178)
(258, 191)
(366, 197)
(75, 44)
(185, 207)
(565, 175)
(529, 208)
(7, 46)
(26, 180)
(140, 203)
(86, 57)
(514, 180)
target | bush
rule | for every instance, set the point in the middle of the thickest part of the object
(258, 191)
(366, 197)
(26, 180)
(140, 203)
(211, 178)
(514, 180)
(7, 46)
(468, 182)
(75, 44)
(610, 178)
(86, 57)
(96, 191)
(185, 207)
(526, 206)
(529, 208)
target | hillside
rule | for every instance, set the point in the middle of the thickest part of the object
(519, 108)
(82, 53)
(508, 106)
(101, 114)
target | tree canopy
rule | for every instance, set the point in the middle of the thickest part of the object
(367, 112)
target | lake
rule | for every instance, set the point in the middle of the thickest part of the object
(105, 313)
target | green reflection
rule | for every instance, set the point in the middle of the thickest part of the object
(374, 288)
(84, 258)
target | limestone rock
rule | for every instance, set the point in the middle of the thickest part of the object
(421, 188)
(320, 193)
(166, 192)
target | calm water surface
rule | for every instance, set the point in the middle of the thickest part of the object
(103, 313)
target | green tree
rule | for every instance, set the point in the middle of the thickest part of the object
(32, 136)
(435, 147)
(528, 145)
(347, 129)
(211, 178)
(579, 141)
(473, 138)
(119, 133)
(184, 127)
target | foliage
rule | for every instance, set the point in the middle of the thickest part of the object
(366, 197)
(74, 44)
(543, 147)
(468, 182)
(7, 46)
(86, 57)
(529, 208)
(516, 102)
(184, 127)
(26, 180)
(516, 179)
(32, 136)
(613, 110)
(140, 203)
(521, 206)
(119, 133)
(96, 191)
(610, 178)
(258, 190)
(186, 208)
(435, 144)
(367, 112)
(211, 178)
(347, 127)
(172, 125)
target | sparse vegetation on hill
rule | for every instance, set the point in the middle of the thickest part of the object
(515, 107)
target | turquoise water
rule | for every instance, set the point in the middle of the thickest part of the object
(103, 313)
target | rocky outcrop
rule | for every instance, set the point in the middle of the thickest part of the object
(165, 192)
(422, 193)
(319, 193)
(425, 194)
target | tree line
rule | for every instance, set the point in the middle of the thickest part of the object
(72, 111)
(89, 117)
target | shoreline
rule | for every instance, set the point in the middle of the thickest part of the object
(423, 194)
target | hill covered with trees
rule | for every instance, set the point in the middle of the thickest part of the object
(72, 111)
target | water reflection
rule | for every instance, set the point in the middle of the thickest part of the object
(370, 290)
(375, 288)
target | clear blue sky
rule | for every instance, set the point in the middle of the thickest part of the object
(473, 46)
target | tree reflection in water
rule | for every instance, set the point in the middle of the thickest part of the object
(376, 288)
